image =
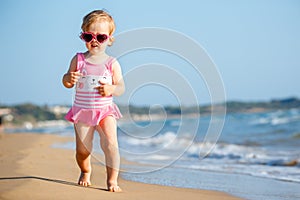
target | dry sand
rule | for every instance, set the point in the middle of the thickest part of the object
(31, 169)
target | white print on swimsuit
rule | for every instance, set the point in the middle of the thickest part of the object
(89, 82)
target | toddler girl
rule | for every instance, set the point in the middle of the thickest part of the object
(98, 77)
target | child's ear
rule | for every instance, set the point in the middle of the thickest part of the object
(111, 40)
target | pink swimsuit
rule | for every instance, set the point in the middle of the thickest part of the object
(89, 106)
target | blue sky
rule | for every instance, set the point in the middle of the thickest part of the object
(254, 44)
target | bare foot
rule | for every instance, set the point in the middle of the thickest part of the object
(114, 189)
(112, 186)
(85, 179)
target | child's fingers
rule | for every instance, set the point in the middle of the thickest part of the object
(102, 83)
(101, 90)
(77, 73)
(74, 77)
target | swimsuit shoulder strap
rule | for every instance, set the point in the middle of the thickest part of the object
(109, 63)
(80, 60)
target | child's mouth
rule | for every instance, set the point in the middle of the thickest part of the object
(94, 45)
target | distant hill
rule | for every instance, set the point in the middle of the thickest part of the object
(288, 103)
(231, 107)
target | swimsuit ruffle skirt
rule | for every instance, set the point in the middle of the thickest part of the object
(89, 106)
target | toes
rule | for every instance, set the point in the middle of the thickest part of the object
(114, 189)
(83, 183)
(84, 179)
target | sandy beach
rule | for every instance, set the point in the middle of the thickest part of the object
(32, 169)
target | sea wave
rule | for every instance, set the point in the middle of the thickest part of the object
(277, 117)
(224, 157)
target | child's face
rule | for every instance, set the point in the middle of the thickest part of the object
(94, 46)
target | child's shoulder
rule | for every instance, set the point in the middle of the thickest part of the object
(112, 59)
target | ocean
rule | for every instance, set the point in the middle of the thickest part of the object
(257, 155)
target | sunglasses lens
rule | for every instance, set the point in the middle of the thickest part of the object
(101, 38)
(87, 37)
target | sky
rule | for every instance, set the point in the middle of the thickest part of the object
(254, 45)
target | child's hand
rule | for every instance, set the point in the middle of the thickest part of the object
(73, 77)
(105, 89)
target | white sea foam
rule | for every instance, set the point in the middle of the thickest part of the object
(277, 117)
(163, 139)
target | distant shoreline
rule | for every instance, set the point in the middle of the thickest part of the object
(32, 115)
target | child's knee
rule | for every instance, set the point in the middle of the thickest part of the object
(109, 147)
(82, 152)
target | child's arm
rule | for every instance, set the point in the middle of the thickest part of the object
(118, 80)
(118, 86)
(71, 77)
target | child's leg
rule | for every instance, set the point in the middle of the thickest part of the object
(84, 146)
(109, 144)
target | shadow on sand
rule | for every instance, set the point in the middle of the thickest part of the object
(49, 180)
